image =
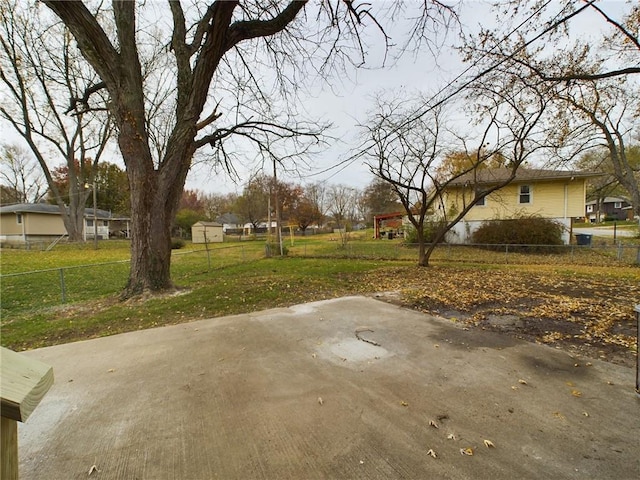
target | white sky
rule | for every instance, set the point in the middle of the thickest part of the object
(347, 102)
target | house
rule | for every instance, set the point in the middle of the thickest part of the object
(608, 208)
(206, 232)
(557, 195)
(41, 222)
(231, 223)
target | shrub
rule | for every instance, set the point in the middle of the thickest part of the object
(177, 243)
(431, 229)
(519, 231)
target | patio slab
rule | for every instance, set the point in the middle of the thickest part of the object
(294, 393)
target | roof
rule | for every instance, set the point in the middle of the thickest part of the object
(229, 218)
(499, 175)
(207, 224)
(48, 209)
(608, 200)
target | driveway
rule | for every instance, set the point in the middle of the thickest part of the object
(295, 393)
(606, 231)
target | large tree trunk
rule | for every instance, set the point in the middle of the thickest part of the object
(150, 236)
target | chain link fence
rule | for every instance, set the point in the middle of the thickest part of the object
(35, 290)
(611, 255)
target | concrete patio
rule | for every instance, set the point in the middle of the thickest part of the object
(295, 394)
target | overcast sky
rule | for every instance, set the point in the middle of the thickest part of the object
(346, 102)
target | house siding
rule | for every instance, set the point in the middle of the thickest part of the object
(559, 200)
(35, 226)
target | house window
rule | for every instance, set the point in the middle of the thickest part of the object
(481, 202)
(89, 222)
(617, 205)
(525, 194)
(19, 218)
(589, 208)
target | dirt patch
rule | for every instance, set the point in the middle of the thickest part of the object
(592, 317)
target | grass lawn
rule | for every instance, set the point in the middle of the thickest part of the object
(558, 302)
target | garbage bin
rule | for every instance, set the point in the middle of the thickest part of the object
(390, 235)
(583, 239)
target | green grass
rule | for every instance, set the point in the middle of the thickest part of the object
(227, 279)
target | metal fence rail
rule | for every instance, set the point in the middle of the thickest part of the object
(480, 253)
(37, 289)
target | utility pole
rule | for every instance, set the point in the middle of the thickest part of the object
(95, 216)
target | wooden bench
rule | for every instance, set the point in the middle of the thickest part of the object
(23, 383)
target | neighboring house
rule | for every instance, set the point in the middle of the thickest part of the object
(230, 221)
(206, 232)
(557, 195)
(42, 222)
(608, 208)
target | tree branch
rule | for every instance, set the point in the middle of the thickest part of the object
(84, 100)
(247, 29)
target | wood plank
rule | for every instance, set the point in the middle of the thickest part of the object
(23, 383)
(8, 449)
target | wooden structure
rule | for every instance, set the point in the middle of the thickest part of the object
(206, 232)
(23, 383)
(378, 220)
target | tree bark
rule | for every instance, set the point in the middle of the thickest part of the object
(156, 190)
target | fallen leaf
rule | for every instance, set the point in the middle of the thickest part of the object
(433, 424)
(404, 404)
(451, 436)
(522, 382)
(489, 444)
(576, 393)
(93, 469)
(313, 355)
(466, 451)
(320, 401)
(558, 415)
(585, 414)
(111, 370)
(432, 453)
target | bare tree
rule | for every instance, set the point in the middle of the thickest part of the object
(206, 42)
(318, 197)
(341, 201)
(591, 82)
(410, 150)
(21, 174)
(608, 113)
(40, 70)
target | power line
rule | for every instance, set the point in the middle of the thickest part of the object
(365, 146)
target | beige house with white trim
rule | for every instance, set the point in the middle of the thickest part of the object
(25, 223)
(557, 195)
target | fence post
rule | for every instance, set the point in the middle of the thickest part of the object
(506, 253)
(63, 289)
(209, 258)
(637, 309)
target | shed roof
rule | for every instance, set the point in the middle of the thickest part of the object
(207, 224)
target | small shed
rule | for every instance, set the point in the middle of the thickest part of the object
(206, 232)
